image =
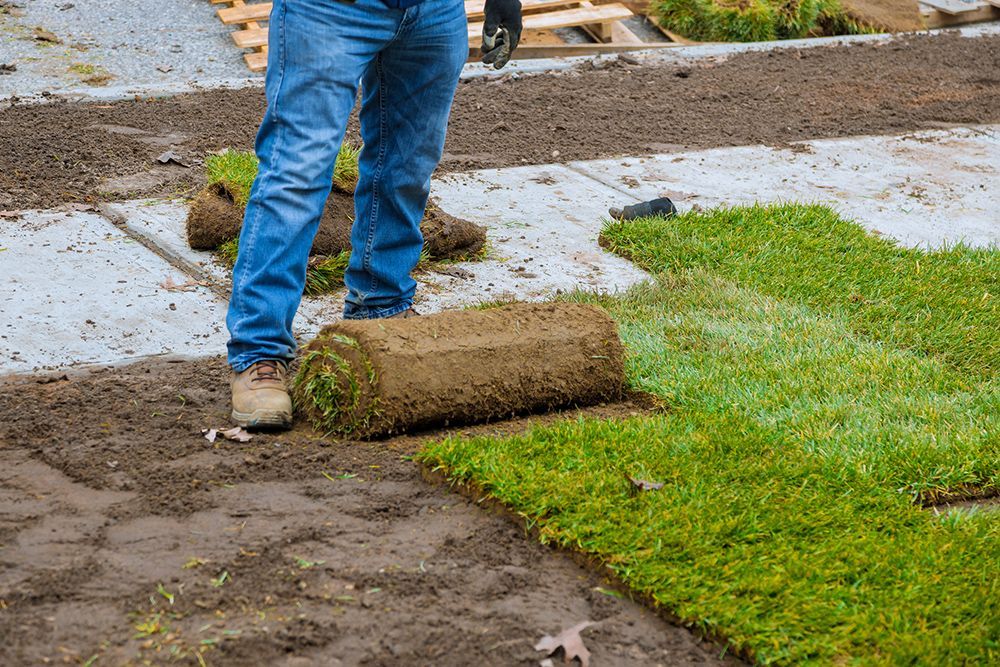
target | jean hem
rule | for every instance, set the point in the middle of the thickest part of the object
(246, 360)
(366, 313)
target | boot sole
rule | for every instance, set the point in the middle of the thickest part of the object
(263, 419)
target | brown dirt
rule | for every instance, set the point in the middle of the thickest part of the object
(214, 218)
(111, 501)
(458, 367)
(886, 15)
(61, 152)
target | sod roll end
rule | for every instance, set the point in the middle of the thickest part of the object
(372, 378)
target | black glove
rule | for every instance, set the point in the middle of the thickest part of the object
(501, 31)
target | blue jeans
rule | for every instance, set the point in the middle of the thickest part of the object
(408, 62)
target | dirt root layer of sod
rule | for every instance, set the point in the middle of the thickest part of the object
(215, 218)
(50, 154)
(129, 536)
(374, 378)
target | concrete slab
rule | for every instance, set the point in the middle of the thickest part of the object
(924, 189)
(114, 42)
(77, 290)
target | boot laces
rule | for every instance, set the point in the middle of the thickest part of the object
(266, 371)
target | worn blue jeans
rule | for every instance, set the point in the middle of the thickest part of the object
(408, 63)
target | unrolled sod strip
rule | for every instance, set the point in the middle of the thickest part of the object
(370, 378)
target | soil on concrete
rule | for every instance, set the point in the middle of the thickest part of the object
(50, 154)
(128, 536)
(215, 218)
(459, 367)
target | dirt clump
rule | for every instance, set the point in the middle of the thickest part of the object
(213, 218)
(446, 236)
(371, 378)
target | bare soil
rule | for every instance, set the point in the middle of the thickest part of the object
(129, 536)
(464, 366)
(50, 154)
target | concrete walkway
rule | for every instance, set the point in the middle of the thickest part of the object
(84, 287)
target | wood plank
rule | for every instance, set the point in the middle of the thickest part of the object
(250, 38)
(954, 7)
(260, 11)
(256, 61)
(937, 19)
(474, 8)
(564, 19)
(567, 50)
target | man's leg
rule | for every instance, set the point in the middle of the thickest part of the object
(407, 94)
(318, 51)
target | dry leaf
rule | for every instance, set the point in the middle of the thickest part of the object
(43, 35)
(237, 434)
(643, 485)
(170, 156)
(169, 284)
(570, 642)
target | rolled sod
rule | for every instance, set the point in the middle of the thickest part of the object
(216, 217)
(372, 378)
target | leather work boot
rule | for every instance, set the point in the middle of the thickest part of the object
(404, 314)
(260, 398)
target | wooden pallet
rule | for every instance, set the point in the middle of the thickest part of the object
(601, 21)
(946, 13)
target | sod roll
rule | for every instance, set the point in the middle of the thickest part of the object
(371, 378)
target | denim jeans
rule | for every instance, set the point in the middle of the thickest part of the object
(408, 62)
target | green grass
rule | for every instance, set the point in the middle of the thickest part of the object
(238, 169)
(754, 20)
(944, 303)
(796, 445)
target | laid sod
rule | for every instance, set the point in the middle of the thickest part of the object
(944, 303)
(755, 20)
(796, 448)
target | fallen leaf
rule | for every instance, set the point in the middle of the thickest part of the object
(209, 433)
(237, 434)
(187, 286)
(570, 642)
(43, 35)
(643, 485)
(170, 156)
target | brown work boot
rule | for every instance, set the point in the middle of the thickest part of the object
(403, 314)
(260, 398)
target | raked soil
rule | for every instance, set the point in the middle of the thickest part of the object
(125, 534)
(55, 153)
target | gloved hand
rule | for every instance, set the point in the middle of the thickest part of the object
(501, 31)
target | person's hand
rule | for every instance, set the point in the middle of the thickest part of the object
(501, 31)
